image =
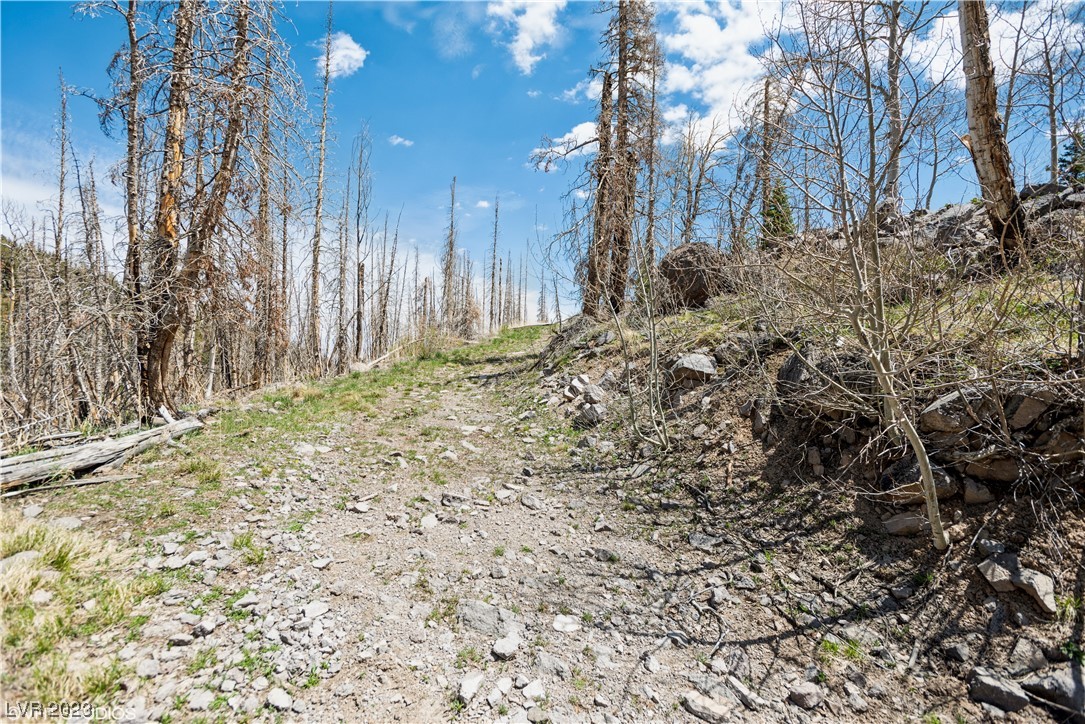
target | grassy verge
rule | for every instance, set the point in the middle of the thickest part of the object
(75, 586)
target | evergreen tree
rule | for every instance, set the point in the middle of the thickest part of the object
(1072, 161)
(776, 218)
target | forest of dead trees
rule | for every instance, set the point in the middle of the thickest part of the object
(242, 259)
(866, 112)
(245, 260)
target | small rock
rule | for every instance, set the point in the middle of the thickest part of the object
(247, 601)
(1040, 587)
(552, 665)
(977, 493)
(901, 593)
(486, 619)
(806, 694)
(990, 688)
(147, 669)
(321, 563)
(693, 367)
(593, 394)
(566, 624)
(957, 652)
(206, 626)
(534, 691)
(605, 555)
(530, 502)
(315, 610)
(32, 511)
(68, 523)
(1026, 657)
(428, 522)
(704, 542)
(590, 415)
(278, 699)
(907, 523)
(505, 648)
(499, 572)
(709, 709)
(469, 686)
(999, 571)
(181, 639)
(494, 697)
(40, 597)
(990, 547)
(200, 699)
(601, 701)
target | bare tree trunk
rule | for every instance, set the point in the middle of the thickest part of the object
(341, 287)
(361, 233)
(891, 193)
(493, 269)
(282, 308)
(155, 338)
(625, 163)
(448, 265)
(990, 153)
(62, 168)
(599, 246)
(318, 227)
(134, 140)
(265, 252)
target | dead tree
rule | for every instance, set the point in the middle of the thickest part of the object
(448, 265)
(318, 223)
(987, 137)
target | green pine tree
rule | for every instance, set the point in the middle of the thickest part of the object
(776, 218)
(1072, 161)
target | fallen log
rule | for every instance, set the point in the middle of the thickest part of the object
(94, 480)
(74, 459)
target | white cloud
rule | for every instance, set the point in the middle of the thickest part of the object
(587, 89)
(579, 141)
(477, 71)
(482, 204)
(1017, 35)
(397, 140)
(452, 27)
(712, 53)
(393, 14)
(534, 25)
(347, 57)
(534, 93)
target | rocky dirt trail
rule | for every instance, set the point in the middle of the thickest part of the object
(435, 542)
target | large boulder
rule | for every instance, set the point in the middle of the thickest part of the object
(695, 272)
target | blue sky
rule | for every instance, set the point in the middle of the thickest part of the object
(466, 89)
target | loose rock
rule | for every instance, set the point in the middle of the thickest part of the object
(807, 695)
(278, 699)
(990, 688)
